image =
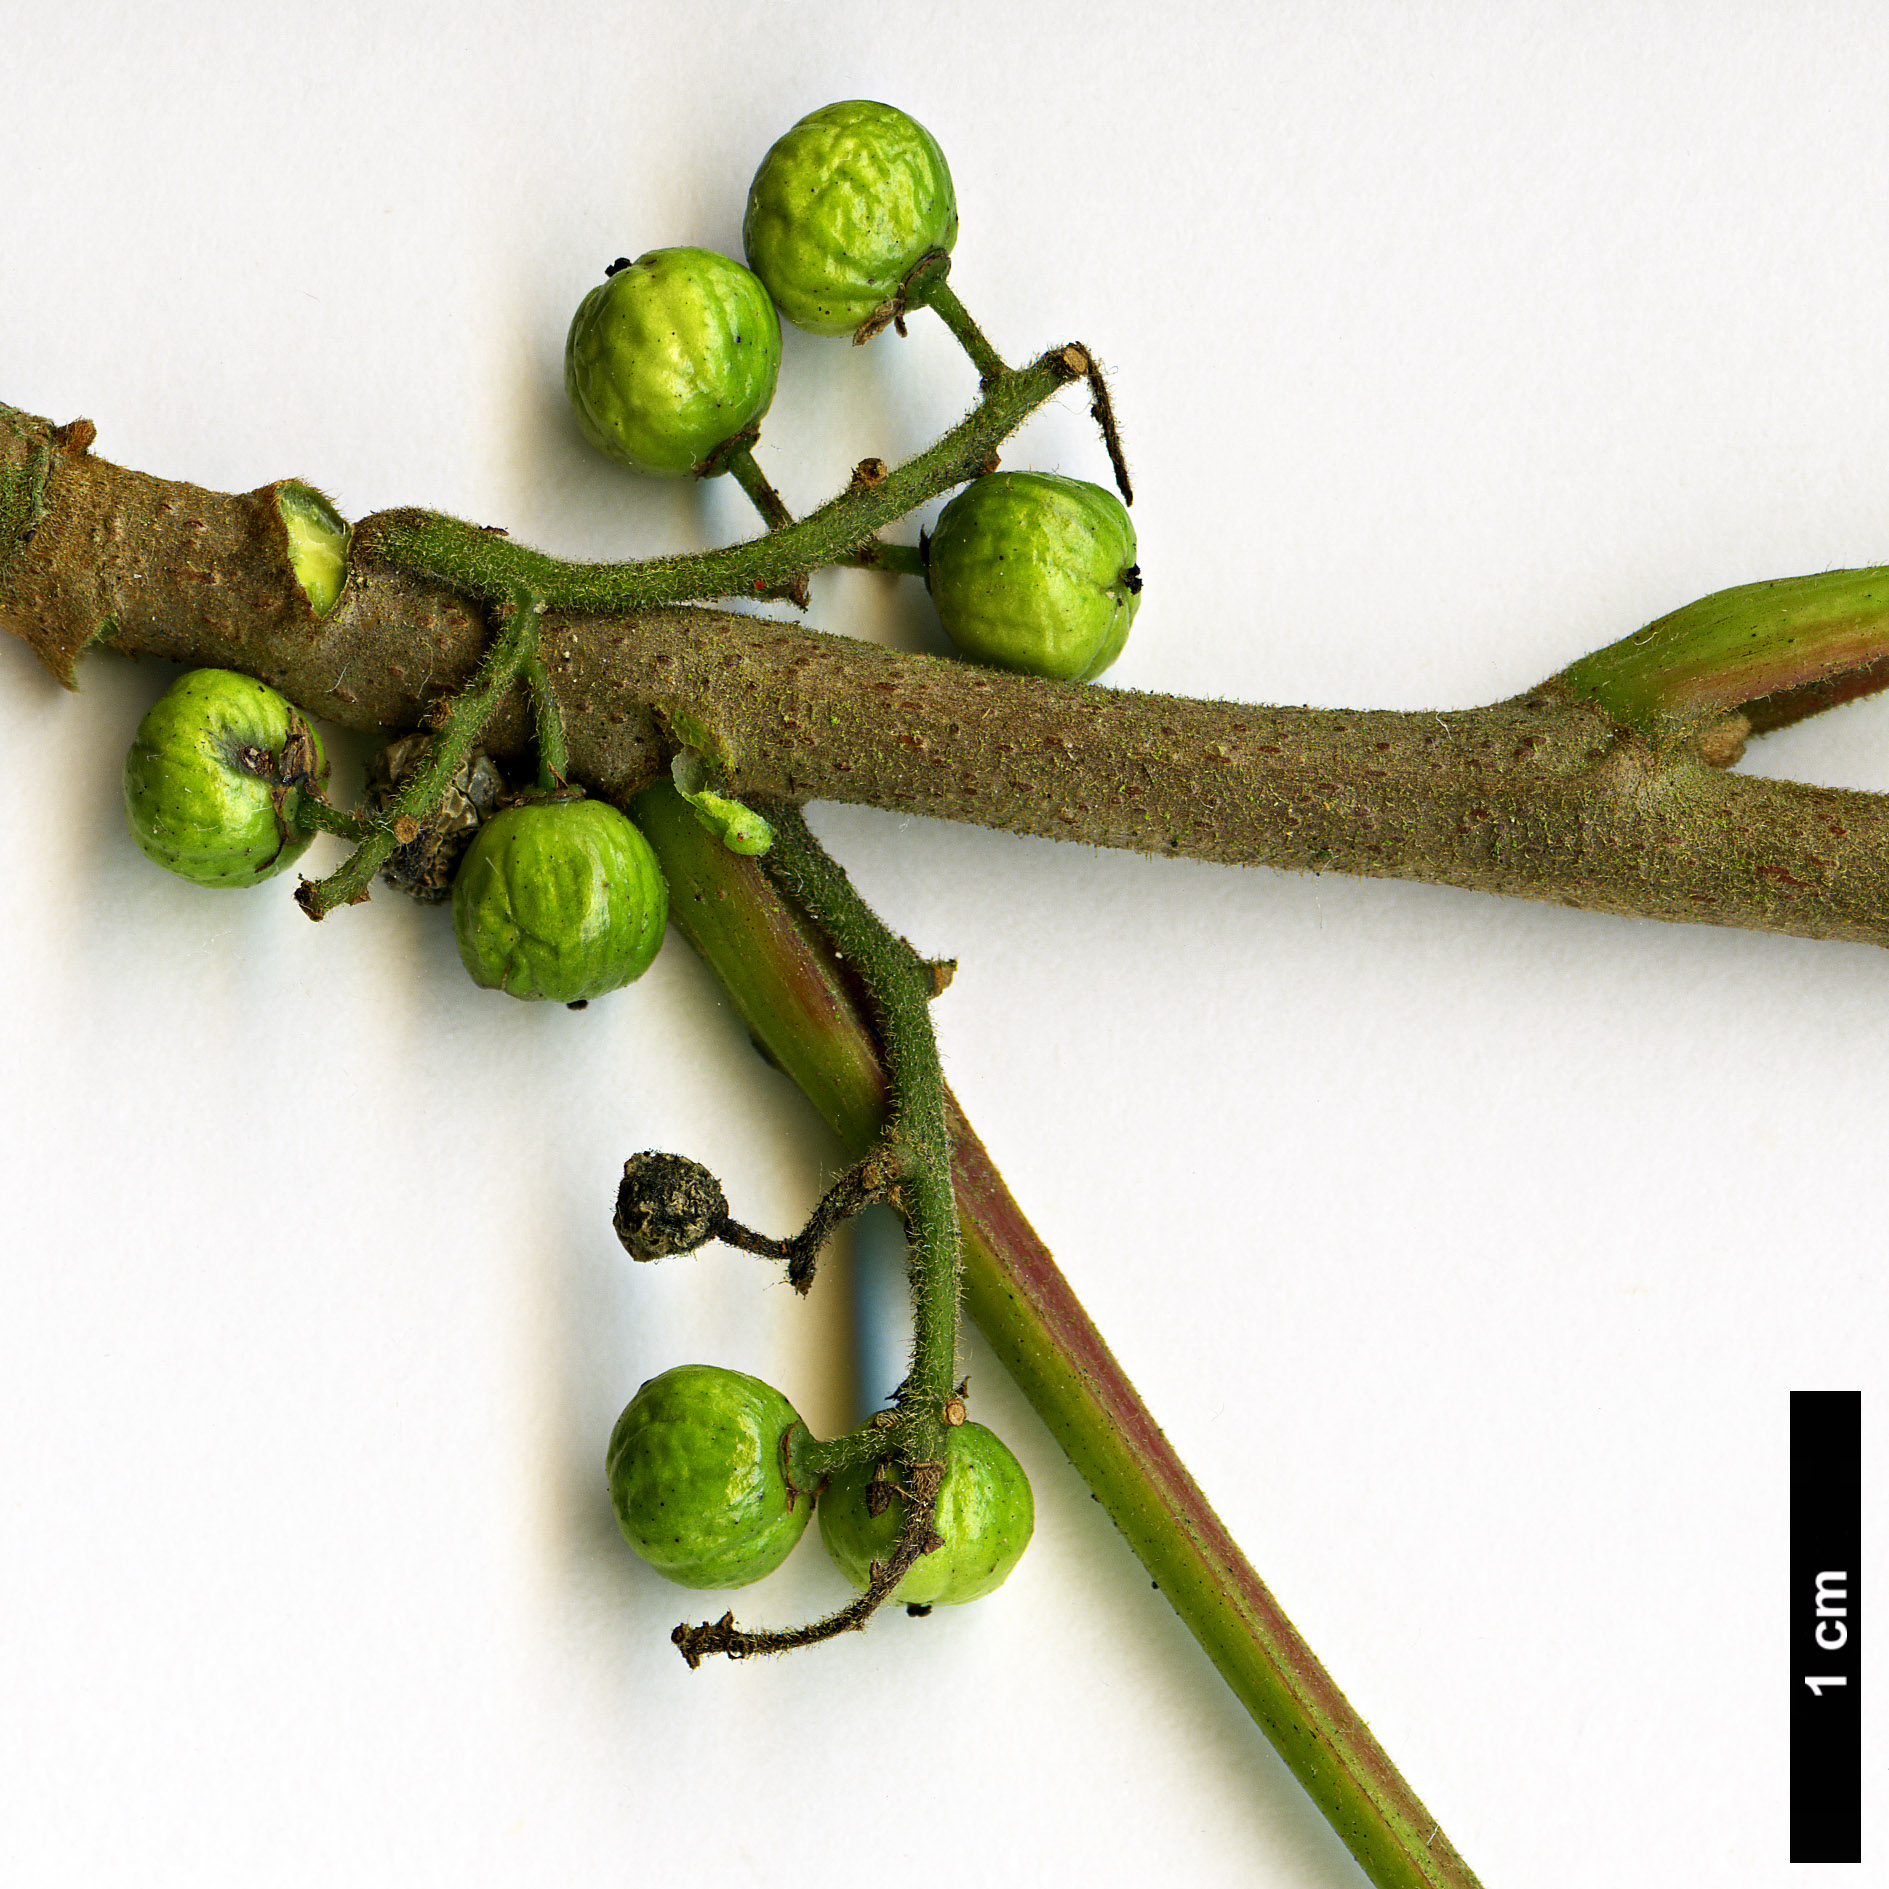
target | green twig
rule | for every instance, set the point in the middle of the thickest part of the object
(897, 560)
(866, 1183)
(874, 554)
(899, 992)
(915, 1538)
(309, 813)
(753, 481)
(1772, 652)
(554, 762)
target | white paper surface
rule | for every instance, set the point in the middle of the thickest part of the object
(1467, 1250)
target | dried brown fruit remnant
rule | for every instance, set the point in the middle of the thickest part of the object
(667, 1204)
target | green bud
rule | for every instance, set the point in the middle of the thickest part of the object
(318, 543)
(671, 357)
(1036, 572)
(739, 828)
(559, 899)
(208, 774)
(843, 208)
(698, 1478)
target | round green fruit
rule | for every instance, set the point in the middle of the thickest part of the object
(698, 1480)
(559, 899)
(1035, 572)
(671, 357)
(841, 210)
(204, 774)
(985, 1514)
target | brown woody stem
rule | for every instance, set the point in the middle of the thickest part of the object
(1546, 796)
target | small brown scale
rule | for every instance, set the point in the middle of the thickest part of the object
(423, 867)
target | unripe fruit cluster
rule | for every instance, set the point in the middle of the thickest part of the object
(671, 364)
(559, 897)
(701, 1468)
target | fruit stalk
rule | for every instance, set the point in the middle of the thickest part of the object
(800, 1004)
(874, 554)
(970, 337)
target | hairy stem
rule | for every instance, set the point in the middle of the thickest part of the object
(724, 1636)
(799, 1003)
(899, 993)
(759, 488)
(868, 1181)
(897, 560)
(512, 653)
(918, 1146)
(955, 316)
(554, 758)
(486, 564)
(872, 555)
(309, 813)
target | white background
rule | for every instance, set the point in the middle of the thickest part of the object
(1467, 1250)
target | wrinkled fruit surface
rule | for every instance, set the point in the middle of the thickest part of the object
(559, 899)
(985, 1514)
(842, 208)
(697, 1480)
(1035, 572)
(203, 772)
(671, 357)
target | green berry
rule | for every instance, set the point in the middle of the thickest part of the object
(559, 899)
(671, 357)
(1036, 572)
(985, 1514)
(698, 1477)
(205, 772)
(841, 210)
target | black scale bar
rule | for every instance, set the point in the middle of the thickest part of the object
(1826, 1627)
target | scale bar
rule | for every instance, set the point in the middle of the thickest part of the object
(1826, 1627)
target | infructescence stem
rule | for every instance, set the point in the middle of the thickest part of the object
(900, 990)
(487, 564)
(796, 1000)
(915, 1143)
(875, 554)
